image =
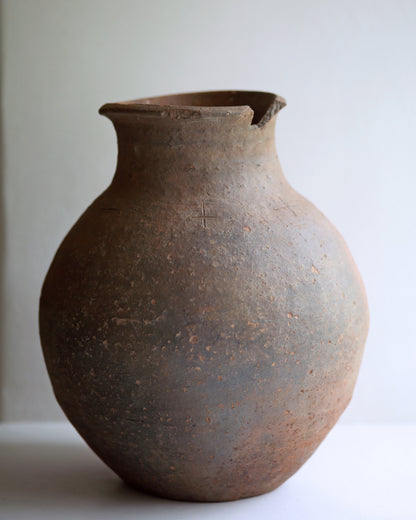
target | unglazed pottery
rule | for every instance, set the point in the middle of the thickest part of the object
(202, 323)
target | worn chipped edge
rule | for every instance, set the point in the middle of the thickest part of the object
(145, 108)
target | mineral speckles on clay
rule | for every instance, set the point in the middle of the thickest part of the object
(202, 323)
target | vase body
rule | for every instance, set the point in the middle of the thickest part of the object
(202, 323)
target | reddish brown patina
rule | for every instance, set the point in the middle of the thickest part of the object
(202, 323)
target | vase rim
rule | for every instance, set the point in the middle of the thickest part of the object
(259, 106)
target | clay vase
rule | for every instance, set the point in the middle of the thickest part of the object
(202, 323)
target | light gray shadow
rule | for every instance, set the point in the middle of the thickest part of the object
(67, 481)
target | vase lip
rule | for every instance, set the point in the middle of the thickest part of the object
(258, 107)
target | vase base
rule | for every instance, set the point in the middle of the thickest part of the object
(204, 495)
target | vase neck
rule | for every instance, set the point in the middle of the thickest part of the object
(165, 149)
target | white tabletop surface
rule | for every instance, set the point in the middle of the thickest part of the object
(359, 472)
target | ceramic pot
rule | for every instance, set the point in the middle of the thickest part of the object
(202, 323)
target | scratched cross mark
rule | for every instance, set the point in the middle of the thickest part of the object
(285, 205)
(203, 216)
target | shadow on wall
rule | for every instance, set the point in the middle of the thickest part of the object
(2, 218)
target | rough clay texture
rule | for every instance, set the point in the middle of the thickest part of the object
(202, 323)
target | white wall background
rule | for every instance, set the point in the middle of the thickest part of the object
(346, 141)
